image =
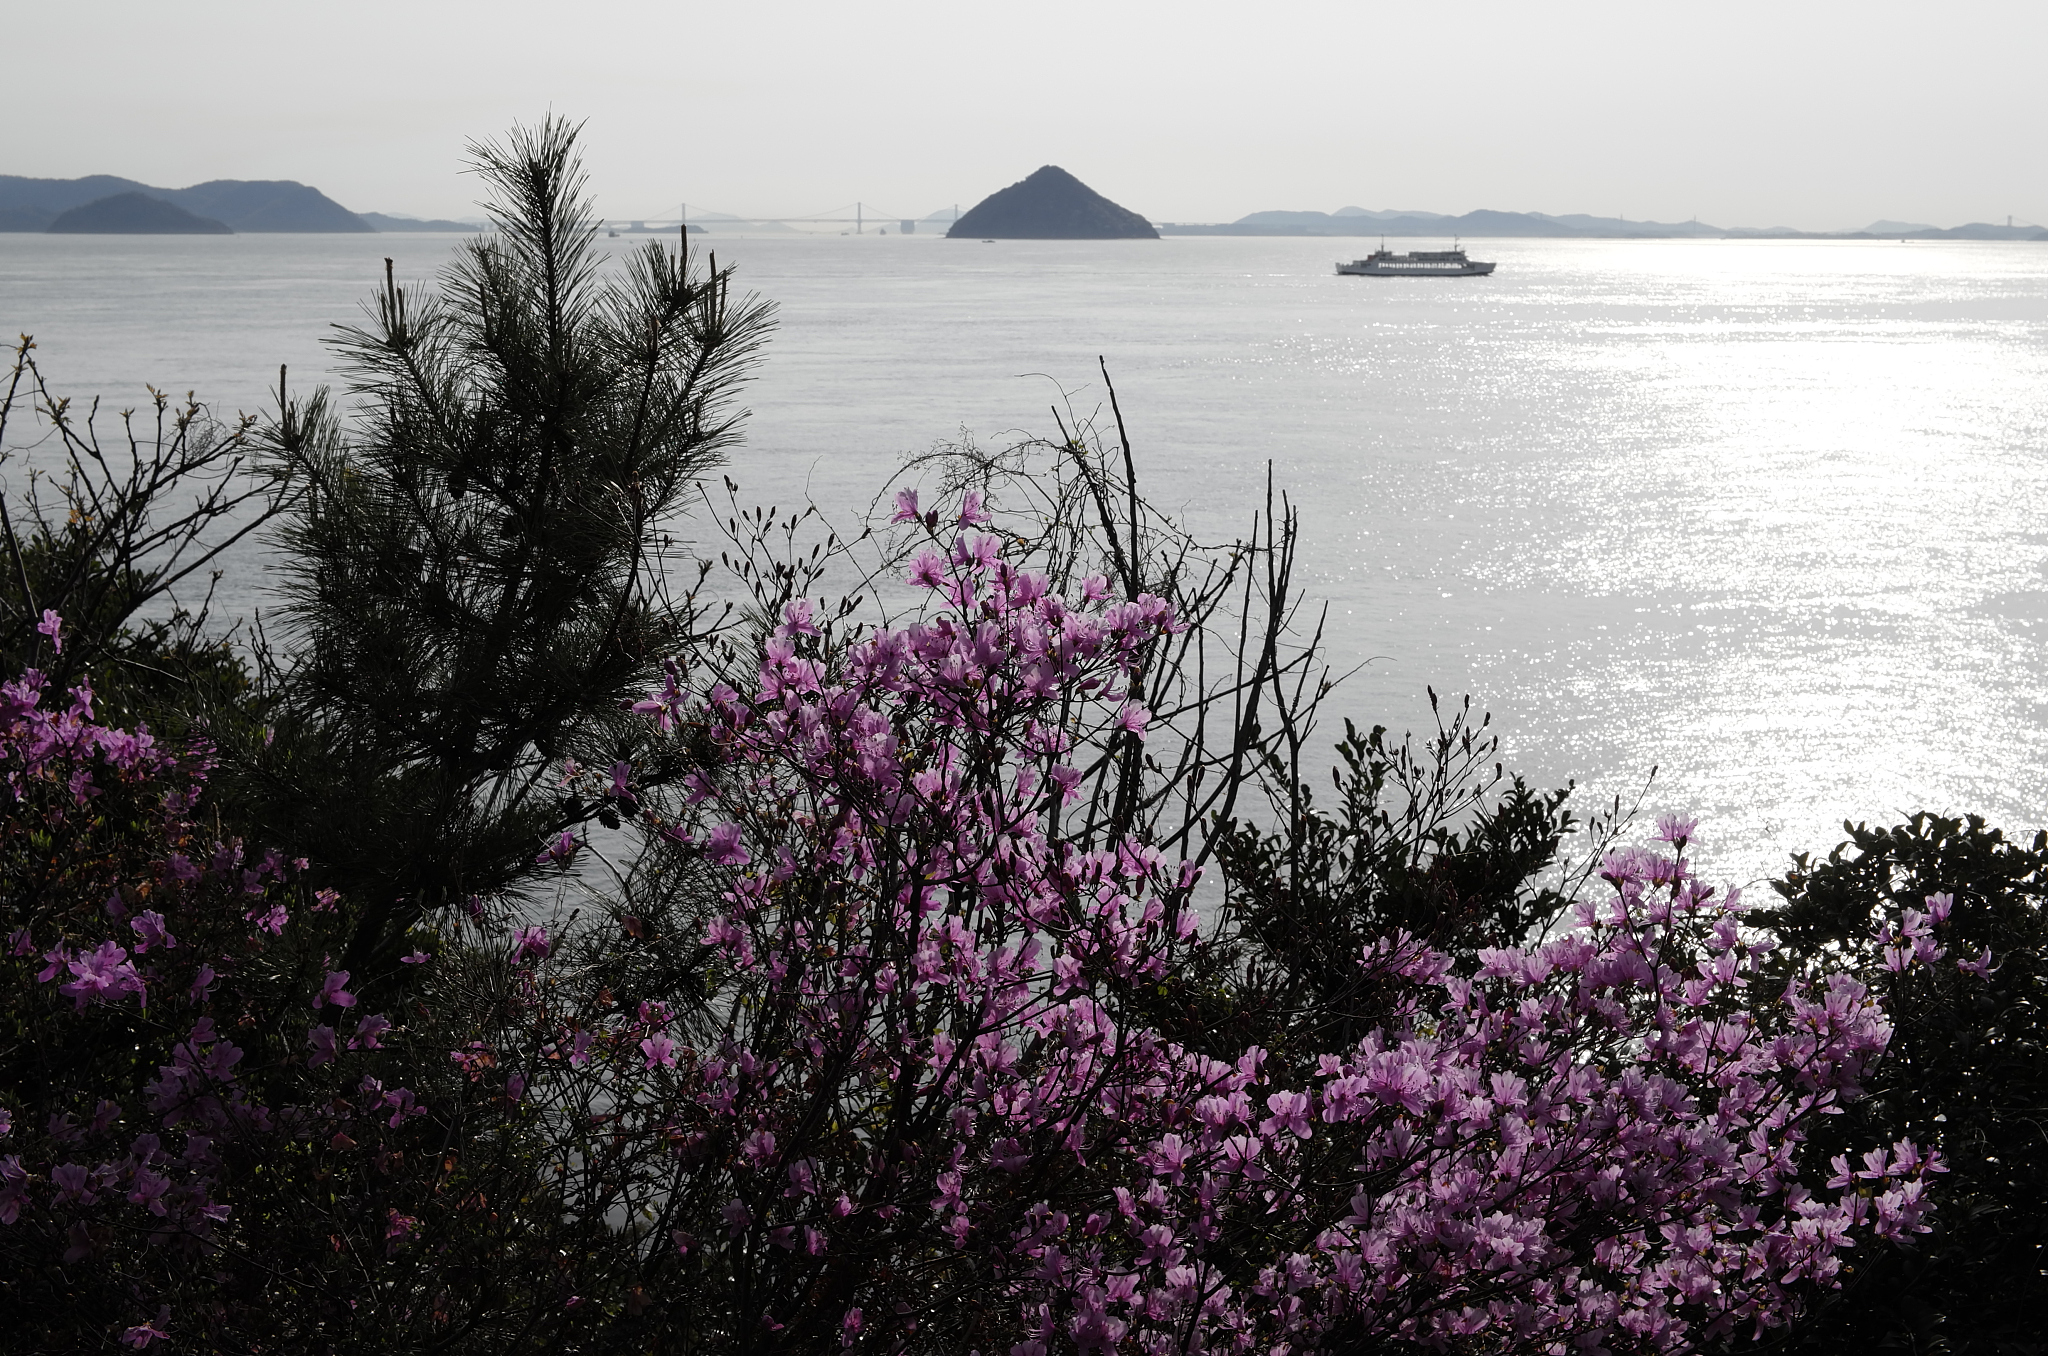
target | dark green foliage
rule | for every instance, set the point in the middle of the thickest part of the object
(1439, 843)
(1967, 1072)
(478, 569)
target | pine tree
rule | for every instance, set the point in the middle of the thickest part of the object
(476, 576)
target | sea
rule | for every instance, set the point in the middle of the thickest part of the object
(1752, 530)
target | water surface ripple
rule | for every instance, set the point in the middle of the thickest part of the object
(1767, 516)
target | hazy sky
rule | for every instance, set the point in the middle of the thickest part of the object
(1791, 112)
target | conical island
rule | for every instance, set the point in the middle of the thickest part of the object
(1050, 205)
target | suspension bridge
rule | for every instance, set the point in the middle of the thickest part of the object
(863, 218)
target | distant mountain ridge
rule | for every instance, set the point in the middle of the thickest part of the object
(1051, 204)
(1357, 221)
(134, 214)
(384, 221)
(256, 205)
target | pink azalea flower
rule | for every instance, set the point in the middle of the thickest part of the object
(561, 851)
(155, 1330)
(368, 1030)
(102, 975)
(1677, 828)
(333, 993)
(725, 848)
(149, 930)
(1981, 967)
(928, 570)
(530, 944)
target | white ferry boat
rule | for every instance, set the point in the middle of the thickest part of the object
(1384, 263)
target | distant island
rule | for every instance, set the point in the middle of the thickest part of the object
(1050, 205)
(258, 205)
(134, 214)
(109, 204)
(1359, 221)
(385, 221)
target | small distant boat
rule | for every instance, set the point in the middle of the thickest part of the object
(1384, 263)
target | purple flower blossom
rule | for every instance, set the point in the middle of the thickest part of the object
(71, 1179)
(102, 975)
(665, 707)
(155, 1330)
(1290, 1113)
(52, 626)
(1981, 967)
(561, 851)
(368, 1031)
(271, 919)
(758, 1148)
(1677, 828)
(332, 992)
(530, 944)
(148, 1190)
(403, 1106)
(149, 930)
(928, 570)
(725, 847)
(399, 1229)
(13, 1188)
(797, 620)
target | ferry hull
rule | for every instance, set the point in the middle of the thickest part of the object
(1363, 269)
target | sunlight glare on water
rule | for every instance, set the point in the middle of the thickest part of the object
(1764, 515)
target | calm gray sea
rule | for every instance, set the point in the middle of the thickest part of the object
(1766, 516)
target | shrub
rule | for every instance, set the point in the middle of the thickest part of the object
(885, 1087)
(1967, 1071)
(206, 1136)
